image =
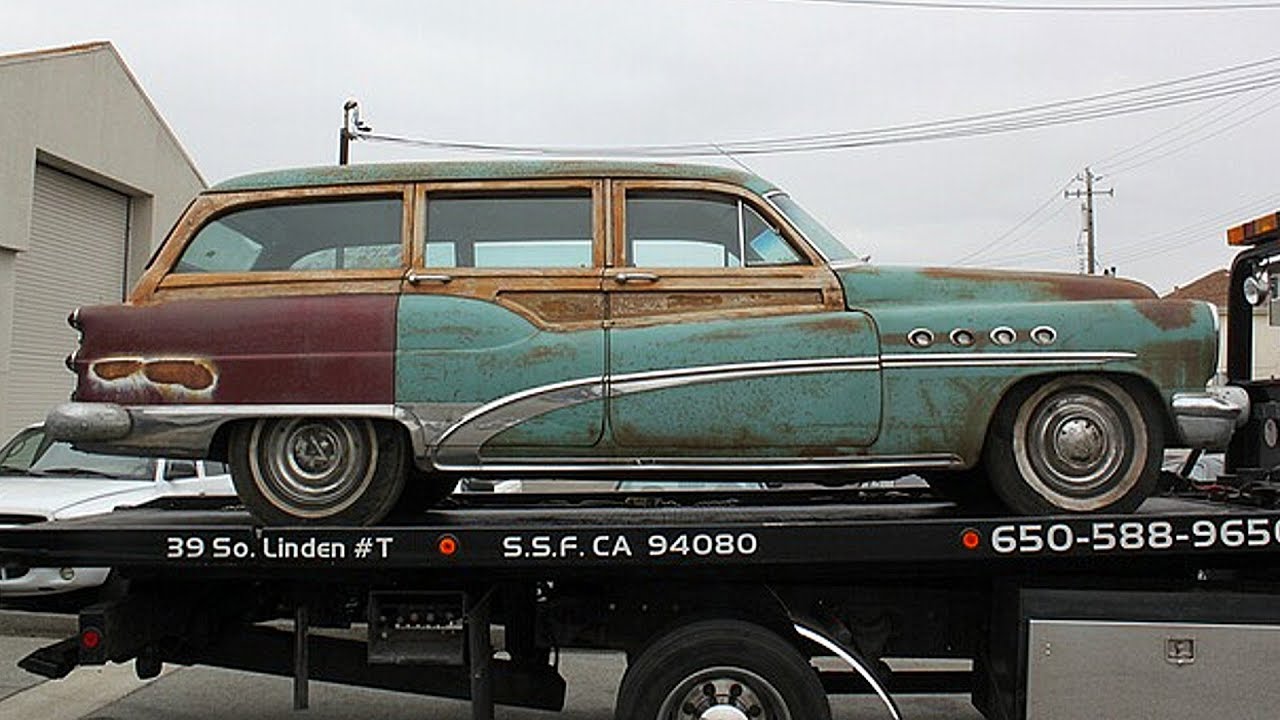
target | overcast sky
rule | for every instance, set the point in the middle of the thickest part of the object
(248, 86)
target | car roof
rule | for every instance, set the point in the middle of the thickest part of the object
(486, 170)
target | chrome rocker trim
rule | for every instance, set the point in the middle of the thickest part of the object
(447, 436)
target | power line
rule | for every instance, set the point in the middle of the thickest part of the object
(1057, 195)
(1229, 81)
(1054, 7)
(1134, 163)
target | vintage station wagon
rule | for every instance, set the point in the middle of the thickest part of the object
(350, 338)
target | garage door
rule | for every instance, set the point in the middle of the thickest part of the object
(79, 234)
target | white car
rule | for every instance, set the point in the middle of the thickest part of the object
(44, 480)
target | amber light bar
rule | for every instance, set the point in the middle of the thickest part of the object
(1255, 231)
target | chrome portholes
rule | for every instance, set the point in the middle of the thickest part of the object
(1003, 335)
(963, 337)
(1044, 335)
(920, 337)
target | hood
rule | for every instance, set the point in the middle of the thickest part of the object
(869, 284)
(49, 495)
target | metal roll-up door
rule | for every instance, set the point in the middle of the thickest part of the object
(76, 256)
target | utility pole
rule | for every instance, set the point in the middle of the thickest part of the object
(1086, 208)
(350, 130)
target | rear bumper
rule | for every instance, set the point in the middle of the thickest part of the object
(186, 431)
(1209, 418)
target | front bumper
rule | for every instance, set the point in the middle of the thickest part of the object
(50, 581)
(1209, 418)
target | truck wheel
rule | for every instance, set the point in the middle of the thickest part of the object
(336, 471)
(721, 669)
(1076, 443)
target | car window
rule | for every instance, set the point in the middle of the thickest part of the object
(61, 460)
(700, 230)
(332, 235)
(18, 454)
(542, 230)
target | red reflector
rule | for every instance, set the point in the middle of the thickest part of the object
(970, 539)
(90, 639)
(447, 545)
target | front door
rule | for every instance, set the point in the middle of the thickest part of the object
(728, 337)
(500, 339)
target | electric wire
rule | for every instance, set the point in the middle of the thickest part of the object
(1053, 7)
(1057, 195)
(1248, 77)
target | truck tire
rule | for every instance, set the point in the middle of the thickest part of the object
(330, 471)
(1074, 444)
(712, 668)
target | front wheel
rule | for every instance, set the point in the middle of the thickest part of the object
(1076, 443)
(347, 471)
(721, 669)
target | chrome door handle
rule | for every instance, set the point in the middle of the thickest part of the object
(419, 278)
(630, 277)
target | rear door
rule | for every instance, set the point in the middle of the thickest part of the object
(727, 336)
(501, 340)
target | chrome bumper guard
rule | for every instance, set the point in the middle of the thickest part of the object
(88, 422)
(1208, 419)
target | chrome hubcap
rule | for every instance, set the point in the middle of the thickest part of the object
(724, 694)
(1077, 441)
(1080, 441)
(313, 467)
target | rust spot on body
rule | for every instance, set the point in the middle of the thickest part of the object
(1054, 286)
(190, 374)
(116, 369)
(1167, 314)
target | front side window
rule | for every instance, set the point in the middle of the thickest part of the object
(700, 230)
(361, 234)
(540, 230)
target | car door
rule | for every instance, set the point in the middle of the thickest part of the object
(728, 336)
(500, 327)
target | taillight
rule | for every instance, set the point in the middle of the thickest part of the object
(90, 638)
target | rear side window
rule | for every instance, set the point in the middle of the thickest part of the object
(358, 234)
(541, 230)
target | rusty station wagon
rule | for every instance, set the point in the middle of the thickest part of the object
(350, 338)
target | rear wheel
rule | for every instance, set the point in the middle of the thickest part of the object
(721, 670)
(346, 471)
(1076, 443)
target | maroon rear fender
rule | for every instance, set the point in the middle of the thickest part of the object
(322, 349)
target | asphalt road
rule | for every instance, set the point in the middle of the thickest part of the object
(188, 693)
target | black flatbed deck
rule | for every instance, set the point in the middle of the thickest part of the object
(628, 533)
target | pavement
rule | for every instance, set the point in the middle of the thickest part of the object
(113, 692)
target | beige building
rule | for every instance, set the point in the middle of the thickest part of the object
(91, 178)
(1266, 338)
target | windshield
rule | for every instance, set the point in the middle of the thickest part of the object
(18, 454)
(815, 232)
(62, 460)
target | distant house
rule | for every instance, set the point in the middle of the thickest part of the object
(1214, 288)
(91, 178)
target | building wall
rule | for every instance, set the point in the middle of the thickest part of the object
(81, 111)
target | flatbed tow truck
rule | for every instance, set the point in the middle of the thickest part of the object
(758, 605)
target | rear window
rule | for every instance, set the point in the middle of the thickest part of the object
(360, 234)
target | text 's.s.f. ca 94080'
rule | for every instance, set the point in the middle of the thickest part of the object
(350, 338)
